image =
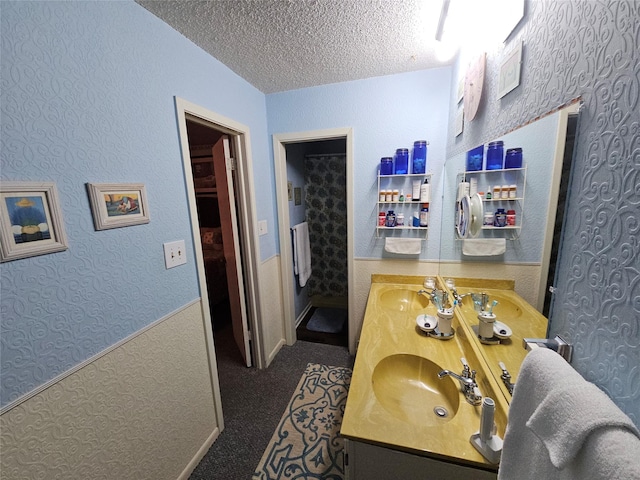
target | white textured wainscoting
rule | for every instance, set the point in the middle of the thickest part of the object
(143, 411)
(271, 307)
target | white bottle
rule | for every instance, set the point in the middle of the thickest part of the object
(415, 194)
(425, 192)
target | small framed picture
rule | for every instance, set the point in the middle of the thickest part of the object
(30, 220)
(510, 71)
(116, 205)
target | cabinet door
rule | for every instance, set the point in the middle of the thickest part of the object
(370, 462)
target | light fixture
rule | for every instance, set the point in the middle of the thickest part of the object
(443, 18)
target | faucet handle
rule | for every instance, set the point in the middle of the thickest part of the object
(465, 368)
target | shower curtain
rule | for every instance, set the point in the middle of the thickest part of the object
(326, 210)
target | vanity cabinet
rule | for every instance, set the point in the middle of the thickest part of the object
(404, 185)
(364, 461)
(515, 179)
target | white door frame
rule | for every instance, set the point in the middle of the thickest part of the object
(239, 134)
(286, 254)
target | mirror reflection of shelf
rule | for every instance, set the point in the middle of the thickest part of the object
(510, 176)
(401, 227)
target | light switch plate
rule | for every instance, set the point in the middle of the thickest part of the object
(174, 254)
(262, 227)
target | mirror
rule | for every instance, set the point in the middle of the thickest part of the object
(529, 256)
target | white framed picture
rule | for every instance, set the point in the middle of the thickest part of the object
(510, 71)
(116, 205)
(30, 220)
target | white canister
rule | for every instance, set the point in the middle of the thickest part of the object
(485, 325)
(505, 191)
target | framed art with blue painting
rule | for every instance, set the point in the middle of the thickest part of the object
(30, 220)
(116, 205)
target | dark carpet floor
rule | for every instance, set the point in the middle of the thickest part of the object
(254, 400)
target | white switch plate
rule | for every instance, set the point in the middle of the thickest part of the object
(174, 254)
(262, 227)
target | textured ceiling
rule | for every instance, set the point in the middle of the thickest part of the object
(279, 45)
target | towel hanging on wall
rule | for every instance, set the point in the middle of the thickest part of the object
(301, 253)
(484, 247)
(403, 246)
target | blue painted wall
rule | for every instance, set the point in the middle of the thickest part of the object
(589, 49)
(385, 113)
(88, 96)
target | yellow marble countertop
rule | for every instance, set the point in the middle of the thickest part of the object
(512, 310)
(392, 419)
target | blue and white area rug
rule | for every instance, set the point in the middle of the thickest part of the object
(307, 442)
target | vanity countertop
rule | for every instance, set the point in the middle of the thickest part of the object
(389, 330)
(512, 310)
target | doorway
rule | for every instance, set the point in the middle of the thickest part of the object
(316, 172)
(215, 184)
(243, 222)
(287, 196)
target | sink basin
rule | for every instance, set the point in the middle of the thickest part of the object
(504, 310)
(404, 300)
(408, 387)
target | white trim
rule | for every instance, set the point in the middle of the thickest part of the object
(202, 451)
(247, 222)
(276, 349)
(23, 398)
(302, 314)
(280, 166)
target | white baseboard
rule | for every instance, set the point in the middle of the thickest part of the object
(202, 451)
(302, 315)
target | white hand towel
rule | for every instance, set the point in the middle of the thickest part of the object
(403, 246)
(484, 247)
(569, 414)
(550, 432)
(301, 253)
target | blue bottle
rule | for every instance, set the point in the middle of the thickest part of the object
(419, 163)
(513, 158)
(495, 155)
(386, 166)
(402, 161)
(474, 159)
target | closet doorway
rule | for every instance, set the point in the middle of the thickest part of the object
(214, 183)
(218, 177)
(313, 178)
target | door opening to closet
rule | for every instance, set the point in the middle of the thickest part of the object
(316, 188)
(214, 184)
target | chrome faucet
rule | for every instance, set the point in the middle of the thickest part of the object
(468, 385)
(506, 378)
(438, 297)
(457, 296)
